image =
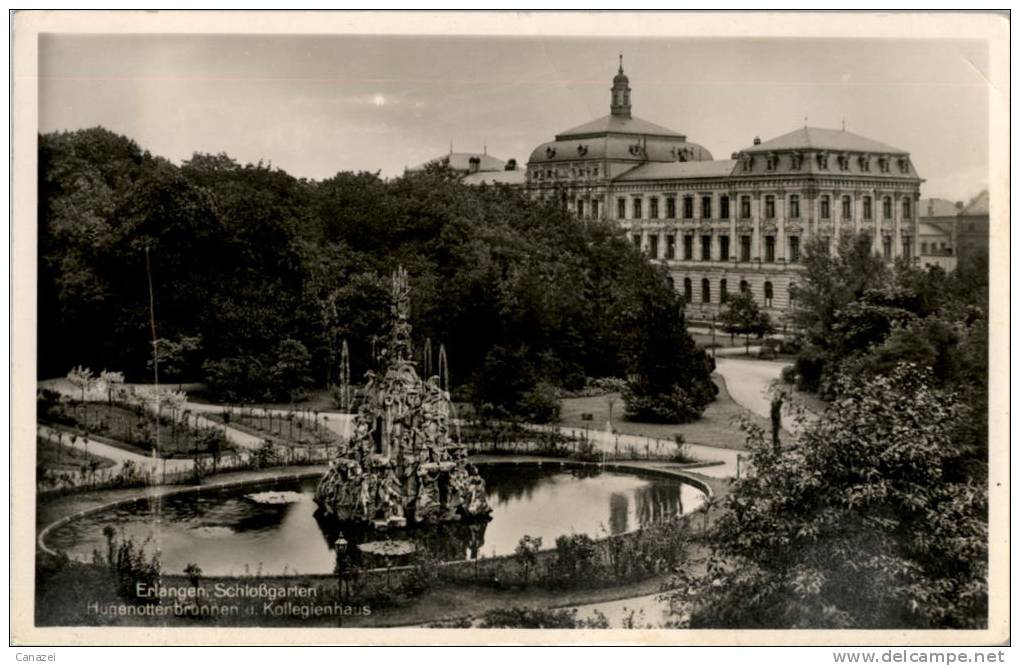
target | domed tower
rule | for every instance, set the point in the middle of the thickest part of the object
(621, 93)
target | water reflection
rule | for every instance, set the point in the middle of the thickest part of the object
(228, 532)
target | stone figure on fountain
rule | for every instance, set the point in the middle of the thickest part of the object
(400, 464)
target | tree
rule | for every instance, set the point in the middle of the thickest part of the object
(859, 524)
(669, 378)
(83, 379)
(178, 359)
(742, 316)
(527, 554)
(831, 281)
(245, 257)
(291, 374)
(113, 382)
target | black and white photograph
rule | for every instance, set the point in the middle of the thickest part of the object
(640, 325)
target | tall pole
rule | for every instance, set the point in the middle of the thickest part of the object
(155, 351)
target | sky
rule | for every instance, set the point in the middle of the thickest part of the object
(317, 105)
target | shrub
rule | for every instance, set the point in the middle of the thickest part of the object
(128, 563)
(679, 406)
(540, 404)
(530, 618)
(194, 574)
(810, 367)
(790, 345)
(282, 375)
(527, 555)
(423, 575)
(586, 450)
(769, 348)
(577, 559)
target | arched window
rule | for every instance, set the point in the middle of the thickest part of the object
(670, 282)
(688, 291)
(793, 293)
(722, 290)
(768, 294)
(706, 291)
(744, 287)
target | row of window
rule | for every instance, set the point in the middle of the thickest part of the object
(843, 162)
(575, 172)
(793, 203)
(723, 294)
(940, 247)
(793, 255)
(724, 247)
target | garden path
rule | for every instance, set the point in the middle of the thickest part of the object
(748, 381)
(613, 442)
(117, 455)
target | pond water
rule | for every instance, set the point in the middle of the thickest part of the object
(273, 529)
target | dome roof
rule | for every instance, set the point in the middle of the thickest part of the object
(612, 124)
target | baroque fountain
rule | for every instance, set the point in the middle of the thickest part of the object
(401, 465)
(399, 483)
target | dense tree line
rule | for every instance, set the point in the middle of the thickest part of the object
(876, 514)
(259, 277)
(861, 318)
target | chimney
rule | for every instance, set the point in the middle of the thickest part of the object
(757, 140)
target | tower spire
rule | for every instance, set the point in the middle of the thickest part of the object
(620, 104)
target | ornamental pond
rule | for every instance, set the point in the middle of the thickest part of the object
(274, 529)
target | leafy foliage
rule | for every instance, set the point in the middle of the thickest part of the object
(669, 379)
(860, 317)
(263, 276)
(859, 524)
(539, 618)
(742, 316)
(127, 563)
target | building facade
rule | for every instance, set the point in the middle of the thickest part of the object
(735, 224)
(936, 233)
(973, 228)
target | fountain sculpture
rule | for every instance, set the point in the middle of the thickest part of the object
(401, 465)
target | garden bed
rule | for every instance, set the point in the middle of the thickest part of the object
(285, 429)
(55, 457)
(133, 428)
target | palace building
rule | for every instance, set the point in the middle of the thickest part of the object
(731, 224)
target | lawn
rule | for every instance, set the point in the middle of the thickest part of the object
(718, 426)
(63, 458)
